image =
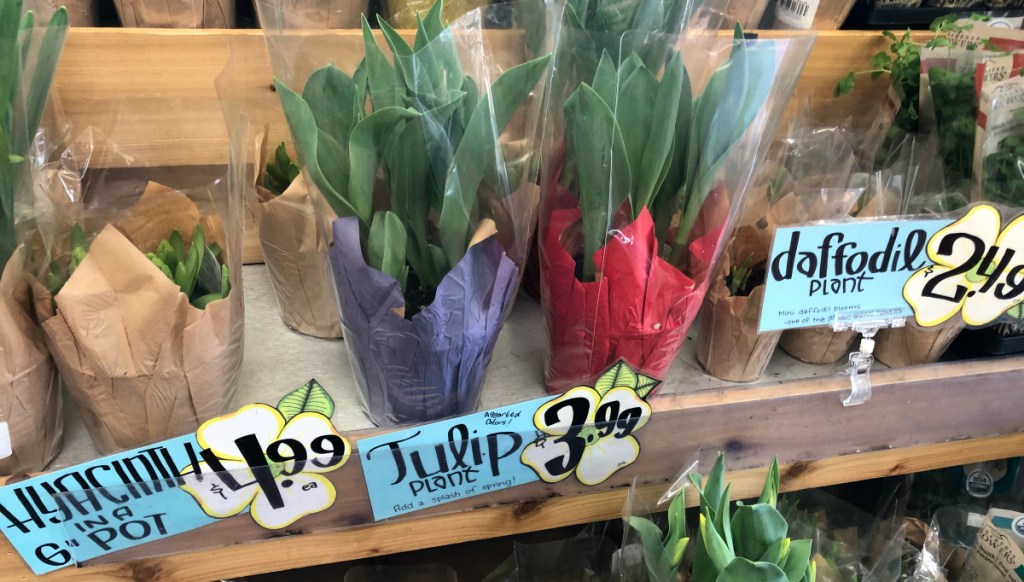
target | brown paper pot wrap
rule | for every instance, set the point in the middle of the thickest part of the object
(296, 258)
(335, 13)
(912, 345)
(176, 13)
(140, 362)
(82, 12)
(728, 345)
(30, 399)
(817, 345)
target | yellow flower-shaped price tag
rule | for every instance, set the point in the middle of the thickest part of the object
(977, 271)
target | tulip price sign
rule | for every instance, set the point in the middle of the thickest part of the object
(264, 461)
(931, 270)
(589, 433)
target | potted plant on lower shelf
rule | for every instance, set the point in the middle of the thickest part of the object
(637, 198)
(30, 402)
(432, 186)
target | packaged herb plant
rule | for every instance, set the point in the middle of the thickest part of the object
(652, 131)
(426, 160)
(141, 298)
(285, 211)
(31, 41)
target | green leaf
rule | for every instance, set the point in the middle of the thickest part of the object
(716, 547)
(658, 564)
(596, 147)
(605, 80)
(386, 248)
(365, 145)
(310, 397)
(770, 492)
(620, 374)
(478, 145)
(45, 67)
(634, 115)
(797, 560)
(774, 552)
(645, 385)
(658, 150)
(331, 96)
(406, 157)
(755, 528)
(676, 537)
(383, 80)
(306, 137)
(742, 570)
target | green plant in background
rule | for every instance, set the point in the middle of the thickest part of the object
(745, 544)
(741, 278)
(280, 172)
(902, 62)
(21, 105)
(199, 271)
(1004, 172)
(634, 139)
(432, 131)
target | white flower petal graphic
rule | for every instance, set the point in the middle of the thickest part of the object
(219, 434)
(555, 417)
(931, 311)
(617, 402)
(602, 459)
(982, 222)
(216, 498)
(303, 494)
(306, 428)
(537, 455)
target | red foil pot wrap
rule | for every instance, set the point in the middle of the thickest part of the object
(638, 310)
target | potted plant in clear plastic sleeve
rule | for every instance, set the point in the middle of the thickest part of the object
(30, 401)
(141, 300)
(425, 159)
(650, 144)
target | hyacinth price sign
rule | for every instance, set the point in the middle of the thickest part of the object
(265, 461)
(588, 433)
(932, 270)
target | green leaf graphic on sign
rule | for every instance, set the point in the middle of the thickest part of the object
(619, 374)
(310, 397)
(645, 385)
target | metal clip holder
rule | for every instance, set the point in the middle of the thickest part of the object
(858, 367)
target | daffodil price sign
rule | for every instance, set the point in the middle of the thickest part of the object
(589, 433)
(975, 269)
(931, 270)
(269, 462)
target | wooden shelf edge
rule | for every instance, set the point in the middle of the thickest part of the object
(405, 535)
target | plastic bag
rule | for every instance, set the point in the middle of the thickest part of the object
(435, 191)
(402, 13)
(176, 13)
(31, 423)
(999, 149)
(625, 255)
(586, 557)
(808, 14)
(141, 302)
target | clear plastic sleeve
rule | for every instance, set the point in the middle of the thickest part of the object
(176, 13)
(808, 14)
(434, 187)
(31, 422)
(402, 13)
(587, 556)
(141, 297)
(626, 253)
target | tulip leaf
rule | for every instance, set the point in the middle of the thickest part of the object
(635, 122)
(310, 397)
(387, 246)
(596, 146)
(382, 79)
(331, 95)
(743, 570)
(658, 563)
(658, 149)
(755, 528)
(716, 547)
(365, 145)
(797, 560)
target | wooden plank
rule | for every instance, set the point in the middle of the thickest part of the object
(298, 551)
(802, 422)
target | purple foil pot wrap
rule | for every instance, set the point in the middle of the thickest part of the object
(432, 366)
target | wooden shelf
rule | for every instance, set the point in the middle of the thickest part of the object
(918, 419)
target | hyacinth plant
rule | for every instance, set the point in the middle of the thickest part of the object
(430, 129)
(22, 100)
(748, 543)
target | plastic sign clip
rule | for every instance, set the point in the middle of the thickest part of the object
(858, 367)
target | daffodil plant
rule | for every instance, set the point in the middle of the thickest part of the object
(745, 544)
(22, 101)
(428, 129)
